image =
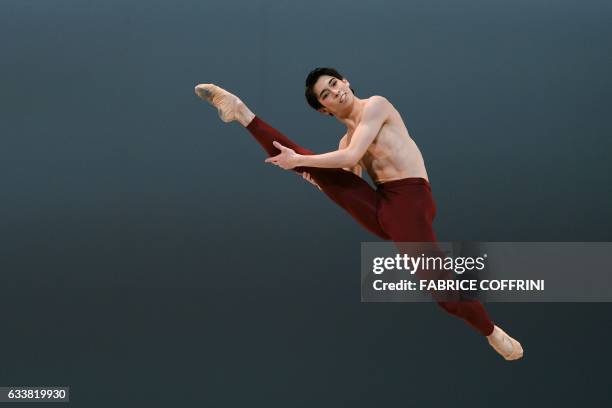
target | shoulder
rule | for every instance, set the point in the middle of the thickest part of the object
(378, 99)
(377, 106)
(377, 103)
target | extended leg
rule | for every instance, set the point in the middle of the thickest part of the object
(407, 212)
(346, 189)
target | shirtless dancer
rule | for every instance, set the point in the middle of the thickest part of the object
(400, 209)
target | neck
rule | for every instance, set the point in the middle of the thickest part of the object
(352, 115)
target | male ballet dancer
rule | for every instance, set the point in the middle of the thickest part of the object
(401, 209)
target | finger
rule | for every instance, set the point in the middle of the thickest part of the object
(279, 146)
(271, 159)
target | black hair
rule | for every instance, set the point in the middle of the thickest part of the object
(311, 80)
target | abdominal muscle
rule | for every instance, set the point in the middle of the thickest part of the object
(393, 155)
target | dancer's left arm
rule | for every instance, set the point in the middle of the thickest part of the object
(374, 115)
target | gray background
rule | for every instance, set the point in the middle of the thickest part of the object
(150, 257)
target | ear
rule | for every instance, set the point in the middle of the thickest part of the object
(324, 111)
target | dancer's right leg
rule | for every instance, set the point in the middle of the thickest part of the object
(346, 189)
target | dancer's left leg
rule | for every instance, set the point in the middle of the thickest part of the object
(406, 212)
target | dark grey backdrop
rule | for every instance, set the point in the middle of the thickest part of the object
(150, 257)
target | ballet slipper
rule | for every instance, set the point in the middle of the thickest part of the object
(229, 106)
(506, 346)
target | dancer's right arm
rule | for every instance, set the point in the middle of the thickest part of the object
(309, 179)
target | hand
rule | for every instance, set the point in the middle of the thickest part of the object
(286, 159)
(309, 179)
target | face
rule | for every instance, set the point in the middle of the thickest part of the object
(334, 94)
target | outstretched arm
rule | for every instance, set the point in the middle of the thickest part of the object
(374, 116)
(357, 168)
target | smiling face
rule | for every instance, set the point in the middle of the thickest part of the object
(334, 94)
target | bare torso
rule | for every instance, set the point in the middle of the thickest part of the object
(393, 155)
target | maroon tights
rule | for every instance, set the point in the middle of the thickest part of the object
(400, 210)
